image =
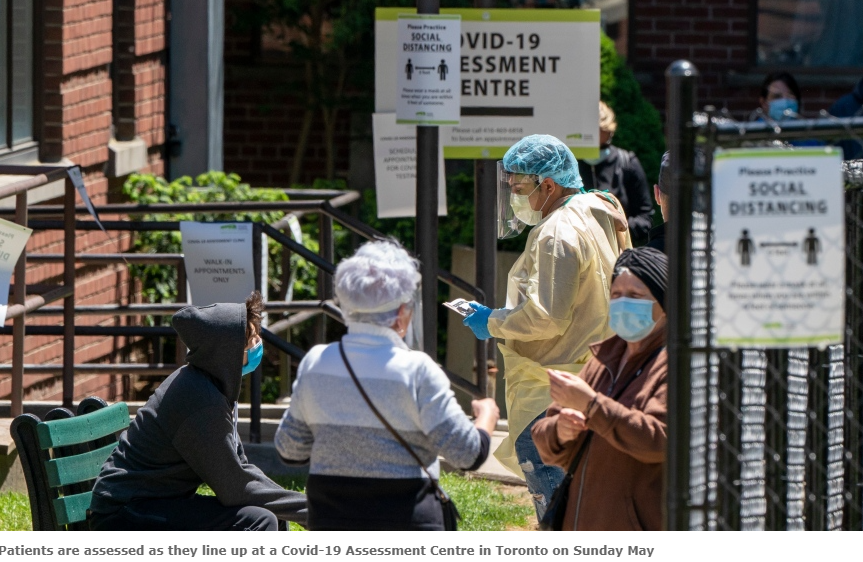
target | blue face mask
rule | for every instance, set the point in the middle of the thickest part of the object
(778, 107)
(255, 355)
(603, 155)
(631, 319)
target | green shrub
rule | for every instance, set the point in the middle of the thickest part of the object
(159, 283)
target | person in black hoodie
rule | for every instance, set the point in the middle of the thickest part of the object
(619, 171)
(186, 435)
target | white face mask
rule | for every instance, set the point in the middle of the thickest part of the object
(523, 211)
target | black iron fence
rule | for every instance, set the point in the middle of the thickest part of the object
(759, 439)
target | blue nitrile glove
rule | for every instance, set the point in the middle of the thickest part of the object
(478, 321)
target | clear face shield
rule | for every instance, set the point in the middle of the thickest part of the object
(414, 334)
(513, 205)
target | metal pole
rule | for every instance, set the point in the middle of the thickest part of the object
(255, 390)
(427, 223)
(485, 252)
(18, 331)
(182, 297)
(325, 279)
(69, 302)
(682, 78)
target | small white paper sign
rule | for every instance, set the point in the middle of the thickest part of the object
(218, 260)
(429, 69)
(779, 218)
(13, 239)
(396, 168)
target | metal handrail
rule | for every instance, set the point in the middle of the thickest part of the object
(39, 176)
(302, 310)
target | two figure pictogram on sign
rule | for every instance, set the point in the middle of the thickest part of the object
(746, 247)
(442, 69)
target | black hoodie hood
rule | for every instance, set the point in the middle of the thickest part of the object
(216, 338)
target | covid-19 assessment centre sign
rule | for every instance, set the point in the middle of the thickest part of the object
(522, 72)
(779, 240)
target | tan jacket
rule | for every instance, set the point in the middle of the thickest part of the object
(622, 485)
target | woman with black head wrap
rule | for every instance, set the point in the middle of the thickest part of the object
(614, 411)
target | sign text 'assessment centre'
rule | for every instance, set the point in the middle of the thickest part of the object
(522, 72)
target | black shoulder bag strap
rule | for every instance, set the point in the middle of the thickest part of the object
(442, 495)
(577, 459)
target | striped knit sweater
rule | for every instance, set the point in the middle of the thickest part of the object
(360, 476)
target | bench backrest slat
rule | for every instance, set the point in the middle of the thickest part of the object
(79, 468)
(81, 429)
(71, 509)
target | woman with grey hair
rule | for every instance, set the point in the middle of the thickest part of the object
(360, 476)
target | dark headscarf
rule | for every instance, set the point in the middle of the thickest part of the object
(650, 266)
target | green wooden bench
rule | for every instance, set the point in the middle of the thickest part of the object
(61, 457)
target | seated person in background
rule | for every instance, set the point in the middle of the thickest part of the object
(617, 485)
(780, 100)
(186, 435)
(779, 94)
(850, 105)
(619, 171)
(361, 477)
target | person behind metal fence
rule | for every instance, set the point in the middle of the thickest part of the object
(850, 105)
(557, 292)
(360, 477)
(619, 171)
(781, 100)
(186, 435)
(662, 194)
(617, 485)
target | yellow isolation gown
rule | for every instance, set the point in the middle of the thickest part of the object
(556, 304)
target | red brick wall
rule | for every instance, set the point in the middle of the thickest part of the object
(715, 36)
(78, 110)
(264, 112)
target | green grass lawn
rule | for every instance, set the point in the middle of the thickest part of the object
(484, 505)
(14, 512)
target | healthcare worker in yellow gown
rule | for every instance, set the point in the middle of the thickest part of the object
(557, 294)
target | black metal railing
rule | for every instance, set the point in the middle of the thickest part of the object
(299, 311)
(758, 438)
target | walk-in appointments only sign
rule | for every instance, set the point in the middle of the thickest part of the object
(428, 69)
(522, 72)
(778, 217)
(218, 260)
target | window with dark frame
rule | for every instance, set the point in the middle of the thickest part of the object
(809, 33)
(16, 75)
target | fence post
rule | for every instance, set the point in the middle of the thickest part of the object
(69, 301)
(682, 78)
(485, 253)
(180, 351)
(426, 237)
(326, 249)
(255, 386)
(18, 326)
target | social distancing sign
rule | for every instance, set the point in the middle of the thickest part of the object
(428, 69)
(779, 268)
(522, 72)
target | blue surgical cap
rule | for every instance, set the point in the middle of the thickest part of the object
(546, 156)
